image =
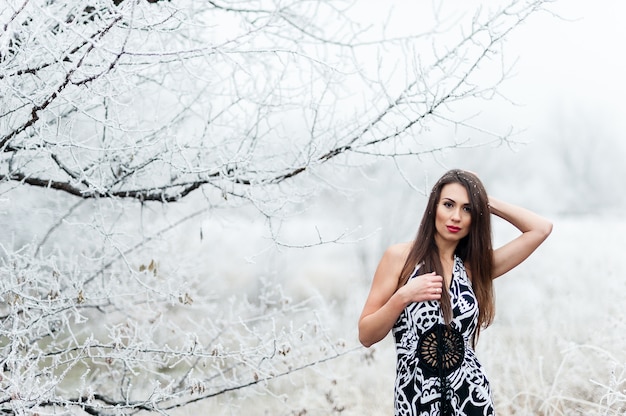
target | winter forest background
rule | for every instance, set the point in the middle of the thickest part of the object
(194, 196)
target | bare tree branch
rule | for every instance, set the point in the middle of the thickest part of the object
(216, 105)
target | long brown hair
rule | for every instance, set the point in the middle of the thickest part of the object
(475, 249)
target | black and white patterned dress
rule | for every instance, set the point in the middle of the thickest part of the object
(437, 372)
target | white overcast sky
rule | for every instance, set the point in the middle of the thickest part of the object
(576, 65)
(569, 81)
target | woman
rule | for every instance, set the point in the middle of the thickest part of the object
(436, 293)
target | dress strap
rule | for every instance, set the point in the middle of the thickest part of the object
(417, 267)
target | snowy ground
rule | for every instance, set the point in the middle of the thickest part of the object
(557, 346)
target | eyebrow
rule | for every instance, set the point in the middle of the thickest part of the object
(452, 200)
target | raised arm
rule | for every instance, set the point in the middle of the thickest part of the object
(535, 229)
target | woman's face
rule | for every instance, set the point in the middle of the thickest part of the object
(453, 217)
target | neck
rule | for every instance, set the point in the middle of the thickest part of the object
(446, 250)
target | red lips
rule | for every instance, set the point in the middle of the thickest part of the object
(453, 229)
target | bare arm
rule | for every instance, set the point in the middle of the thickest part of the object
(385, 301)
(535, 229)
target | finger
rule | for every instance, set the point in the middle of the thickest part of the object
(434, 282)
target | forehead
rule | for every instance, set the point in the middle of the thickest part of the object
(456, 192)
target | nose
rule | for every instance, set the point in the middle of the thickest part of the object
(456, 215)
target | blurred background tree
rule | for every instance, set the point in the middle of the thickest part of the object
(125, 124)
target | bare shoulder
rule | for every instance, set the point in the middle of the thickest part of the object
(398, 252)
(394, 257)
(389, 269)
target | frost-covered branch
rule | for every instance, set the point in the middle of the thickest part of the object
(148, 102)
(113, 298)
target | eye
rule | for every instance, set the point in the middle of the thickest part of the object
(467, 209)
(447, 204)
